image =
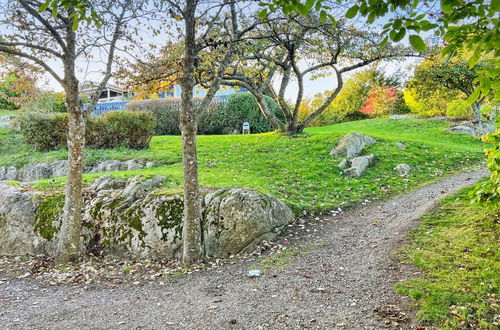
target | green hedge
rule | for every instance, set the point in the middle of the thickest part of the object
(242, 107)
(115, 128)
(219, 118)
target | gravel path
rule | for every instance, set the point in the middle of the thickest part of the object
(348, 269)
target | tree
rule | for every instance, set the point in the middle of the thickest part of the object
(454, 76)
(348, 103)
(18, 81)
(296, 47)
(49, 37)
(463, 24)
(211, 32)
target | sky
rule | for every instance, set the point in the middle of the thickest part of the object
(312, 87)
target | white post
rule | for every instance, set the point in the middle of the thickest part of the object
(108, 95)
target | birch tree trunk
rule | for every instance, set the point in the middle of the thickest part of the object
(188, 123)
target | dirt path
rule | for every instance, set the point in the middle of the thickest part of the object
(346, 272)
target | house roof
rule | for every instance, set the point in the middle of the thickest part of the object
(90, 86)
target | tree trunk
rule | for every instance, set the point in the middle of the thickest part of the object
(68, 248)
(476, 117)
(270, 117)
(188, 123)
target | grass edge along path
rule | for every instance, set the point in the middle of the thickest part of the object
(456, 247)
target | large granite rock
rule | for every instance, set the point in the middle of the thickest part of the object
(236, 220)
(8, 173)
(35, 172)
(359, 165)
(59, 168)
(469, 128)
(463, 130)
(351, 145)
(134, 218)
(26, 219)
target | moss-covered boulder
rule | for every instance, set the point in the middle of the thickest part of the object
(139, 219)
(236, 220)
(29, 221)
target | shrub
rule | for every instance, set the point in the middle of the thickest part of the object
(166, 112)
(132, 129)
(380, 101)
(458, 109)
(44, 131)
(488, 192)
(434, 103)
(48, 131)
(242, 107)
(400, 106)
(221, 117)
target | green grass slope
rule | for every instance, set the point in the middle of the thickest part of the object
(457, 248)
(298, 170)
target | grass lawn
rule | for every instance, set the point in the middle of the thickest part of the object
(297, 170)
(457, 248)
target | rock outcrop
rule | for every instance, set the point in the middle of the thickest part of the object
(42, 171)
(359, 165)
(351, 145)
(23, 225)
(398, 117)
(403, 169)
(136, 218)
(463, 130)
(233, 220)
(469, 128)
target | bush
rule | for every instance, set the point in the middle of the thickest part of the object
(242, 107)
(221, 117)
(458, 109)
(434, 103)
(44, 131)
(488, 192)
(49, 131)
(132, 129)
(166, 112)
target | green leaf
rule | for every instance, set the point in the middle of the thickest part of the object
(371, 17)
(74, 26)
(399, 35)
(352, 12)
(473, 97)
(263, 14)
(384, 42)
(446, 6)
(417, 43)
(332, 19)
(309, 5)
(485, 86)
(495, 6)
(302, 9)
(322, 16)
(398, 23)
(44, 6)
(474, 58)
